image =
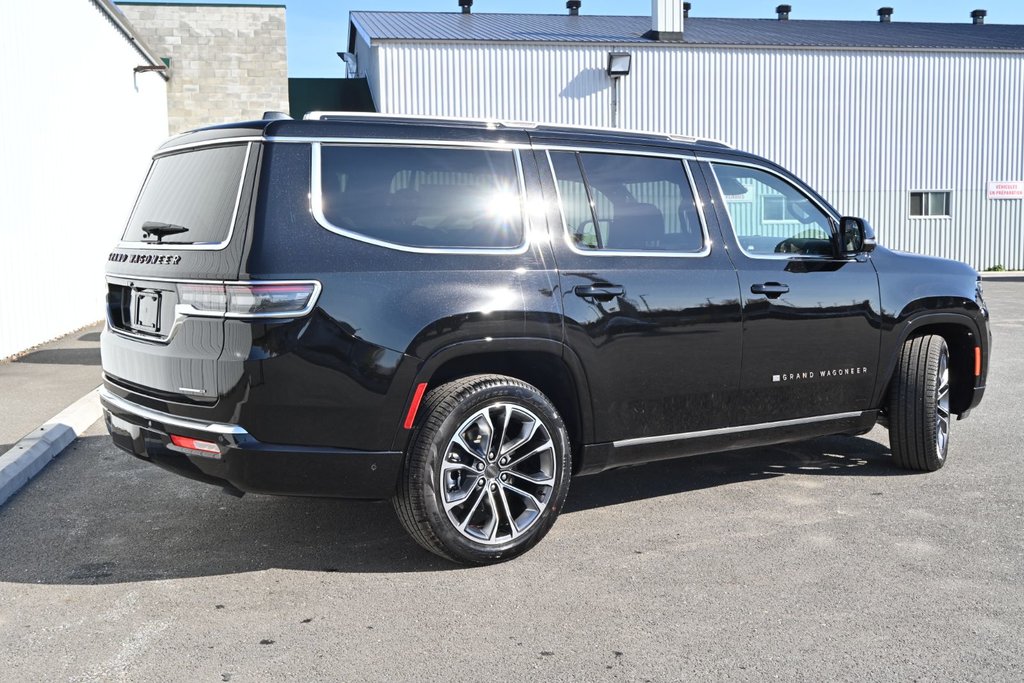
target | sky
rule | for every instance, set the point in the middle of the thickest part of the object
(318, 29)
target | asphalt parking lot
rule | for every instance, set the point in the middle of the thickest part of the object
(810, 561)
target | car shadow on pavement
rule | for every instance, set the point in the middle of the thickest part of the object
(87, 356)
(98, 516)
(825, 456)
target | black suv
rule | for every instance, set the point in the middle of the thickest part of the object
(461, 315)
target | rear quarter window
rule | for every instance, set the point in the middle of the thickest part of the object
(422, 197)
(196, 190)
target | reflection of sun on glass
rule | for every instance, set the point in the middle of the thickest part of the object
(503, 205)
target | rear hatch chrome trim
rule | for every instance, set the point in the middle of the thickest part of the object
(166, 420)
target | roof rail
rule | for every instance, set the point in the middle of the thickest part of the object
(528, 125)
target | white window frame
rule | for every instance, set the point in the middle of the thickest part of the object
(926, 216)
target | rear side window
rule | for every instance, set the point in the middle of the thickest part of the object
(423, 197)
(189, 198)
(619, 202)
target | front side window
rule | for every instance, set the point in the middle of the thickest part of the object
(423, 197)
(929, 204)
(771, 217)
(619, 202)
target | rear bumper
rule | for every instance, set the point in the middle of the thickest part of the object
(244, 463)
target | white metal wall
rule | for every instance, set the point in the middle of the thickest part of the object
(76, 130)
(863, 127)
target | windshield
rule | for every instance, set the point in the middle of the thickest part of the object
(196, 190)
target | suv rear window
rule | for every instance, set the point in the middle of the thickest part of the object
(196, 190)
(423, 197)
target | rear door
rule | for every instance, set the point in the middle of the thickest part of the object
(187, 230)
(811, 322)
(650, 299)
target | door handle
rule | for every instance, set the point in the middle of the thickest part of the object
(772, 290)
(600, 292)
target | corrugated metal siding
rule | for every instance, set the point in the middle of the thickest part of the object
(75, 149)
(368, 66)
(863, 127)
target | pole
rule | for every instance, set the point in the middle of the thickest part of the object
(615, 101)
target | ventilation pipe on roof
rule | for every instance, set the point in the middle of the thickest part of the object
(667, 20)
(783, 11)
(885, 14)
(978, 16)
(687, 6)
(574, 7)
(466, 5)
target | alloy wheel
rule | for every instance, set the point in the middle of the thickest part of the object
(498, 473)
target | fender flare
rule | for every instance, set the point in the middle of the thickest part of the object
(907, 329)
(429, 367)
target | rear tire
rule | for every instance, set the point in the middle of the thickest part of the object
(919, 417)
(486, 472)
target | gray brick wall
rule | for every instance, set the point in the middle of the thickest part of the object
(227, 63)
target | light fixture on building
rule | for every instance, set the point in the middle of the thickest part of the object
(351, 63)
(619, 64)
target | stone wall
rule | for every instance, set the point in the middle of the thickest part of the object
(228, 62)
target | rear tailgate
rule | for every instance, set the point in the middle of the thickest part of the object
(186, 234)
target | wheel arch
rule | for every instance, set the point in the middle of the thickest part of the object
(961, 335)
(546, 364)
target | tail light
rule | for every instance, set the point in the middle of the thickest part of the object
(248, 299)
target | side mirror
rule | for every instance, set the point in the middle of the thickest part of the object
(856, 236)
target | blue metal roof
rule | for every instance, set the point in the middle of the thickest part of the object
(562, 28)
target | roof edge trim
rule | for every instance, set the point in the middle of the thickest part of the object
(698, 46)
(128, 31)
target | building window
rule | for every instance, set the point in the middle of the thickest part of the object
(773, 208)
(929, 204)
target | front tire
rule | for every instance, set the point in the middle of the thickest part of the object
(487, 470)
(919, 417)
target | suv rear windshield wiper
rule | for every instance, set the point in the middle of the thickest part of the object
(161, 230)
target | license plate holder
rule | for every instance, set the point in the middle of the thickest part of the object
(146, 310)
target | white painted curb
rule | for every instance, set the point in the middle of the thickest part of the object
(30, 455)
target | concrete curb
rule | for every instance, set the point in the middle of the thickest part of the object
(30, 455)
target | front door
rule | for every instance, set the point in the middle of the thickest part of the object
(650, 298)
(811, 323)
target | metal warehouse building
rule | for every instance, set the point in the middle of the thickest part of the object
(918, 127)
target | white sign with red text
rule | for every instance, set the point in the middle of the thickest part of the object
(1006, 189)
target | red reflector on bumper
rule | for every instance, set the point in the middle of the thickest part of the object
(194, 444)
(977, 361)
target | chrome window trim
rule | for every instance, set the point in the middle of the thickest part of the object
(316, 200)
(567, 236)
(207, 143)
(183, 311)
(682, 155)
(725, 431)
(169, 420)
(496, 145)
(208, 246)
(509, 123)
(828, 211)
